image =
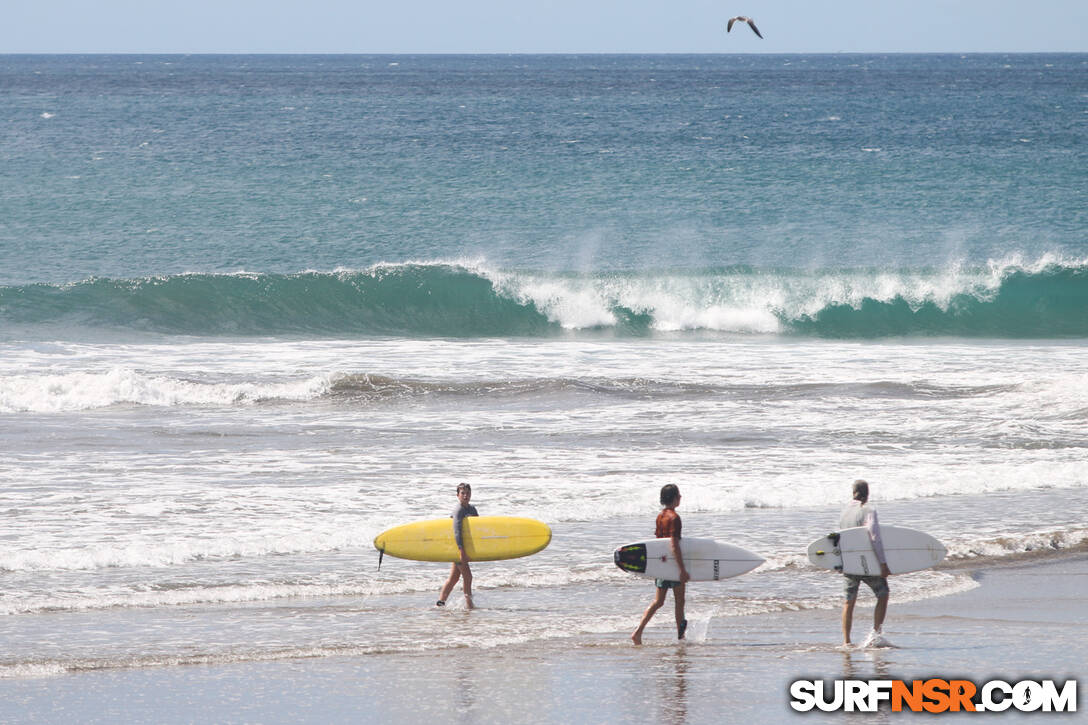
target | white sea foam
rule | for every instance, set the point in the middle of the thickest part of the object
(392, 581)
(72, 391)
(261, 517)
(237, 594)
(1017, 545)
(142, 549)
(735, 301)
(744, 302)
(32, 670)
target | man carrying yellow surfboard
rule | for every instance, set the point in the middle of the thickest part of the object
(460, 569)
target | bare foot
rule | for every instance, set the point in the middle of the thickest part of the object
(636, 638)
(468, 603)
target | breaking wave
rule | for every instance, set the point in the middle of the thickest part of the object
(1045, 299)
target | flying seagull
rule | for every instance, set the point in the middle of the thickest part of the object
(743, 19)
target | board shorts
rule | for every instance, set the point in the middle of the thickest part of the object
(878, 584)
(665, 584)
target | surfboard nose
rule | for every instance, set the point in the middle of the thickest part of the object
(631, 558)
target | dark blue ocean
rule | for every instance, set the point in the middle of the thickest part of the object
(254, 310)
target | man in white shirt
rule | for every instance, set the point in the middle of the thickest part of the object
(859, 512)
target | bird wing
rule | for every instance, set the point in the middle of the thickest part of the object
(755, 29)
(730, 25)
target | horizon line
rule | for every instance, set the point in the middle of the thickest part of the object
(540, 53)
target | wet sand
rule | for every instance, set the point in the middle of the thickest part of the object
(1026, 620)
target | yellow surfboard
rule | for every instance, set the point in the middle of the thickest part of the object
(487, 538)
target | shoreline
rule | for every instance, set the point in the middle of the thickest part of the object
(1024, 620)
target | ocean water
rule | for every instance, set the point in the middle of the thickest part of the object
(256, 309)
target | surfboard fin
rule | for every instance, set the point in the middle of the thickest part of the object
(834, 537)
(381, 555)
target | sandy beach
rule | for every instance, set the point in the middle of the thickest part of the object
(1025, 620)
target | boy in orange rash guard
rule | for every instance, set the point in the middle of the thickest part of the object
(668, 527)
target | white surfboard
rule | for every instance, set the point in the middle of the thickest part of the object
(851, 552)
(705, 559)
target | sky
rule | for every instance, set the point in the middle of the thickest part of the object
(541, 26)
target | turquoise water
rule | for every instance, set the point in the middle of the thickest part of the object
(850, 196)
(128, 166)
(254, 310)
(458, 301)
